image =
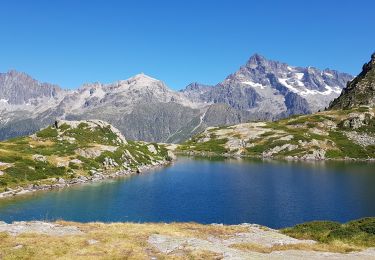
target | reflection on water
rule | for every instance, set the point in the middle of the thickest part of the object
(215, 190)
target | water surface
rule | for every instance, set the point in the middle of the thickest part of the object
(271, 193)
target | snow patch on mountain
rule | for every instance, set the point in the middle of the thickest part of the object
(253, 84)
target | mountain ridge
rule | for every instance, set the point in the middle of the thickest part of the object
(145, 108)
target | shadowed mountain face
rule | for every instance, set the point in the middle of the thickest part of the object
(360, 91)
(144, 108)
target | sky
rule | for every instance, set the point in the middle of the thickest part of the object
(73, 42)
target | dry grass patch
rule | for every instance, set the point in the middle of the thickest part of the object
(41, 142)
(335, 247)
(109, 241)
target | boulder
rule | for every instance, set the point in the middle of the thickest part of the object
(62, 164)
(171, 155)
(88, 152)
(61, 181)
(76, 161)
(151, 148)
(39, 158)
(316, 155)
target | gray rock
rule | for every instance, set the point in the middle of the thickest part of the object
(39, 158)
(316, 155)
(151, 148)
(92, 242)
(61, 181)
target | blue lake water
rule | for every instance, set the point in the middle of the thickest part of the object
(272, 193)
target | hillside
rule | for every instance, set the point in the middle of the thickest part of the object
(334, 134)
(71, 152)
(360, 91)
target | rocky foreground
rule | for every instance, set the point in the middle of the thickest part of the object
(68, 240)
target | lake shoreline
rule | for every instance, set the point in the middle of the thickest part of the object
(60, 183)
(287, 158)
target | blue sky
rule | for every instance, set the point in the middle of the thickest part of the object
(72, 42)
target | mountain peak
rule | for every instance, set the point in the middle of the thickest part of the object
(17, 74)
(256, 59)
(143, 77)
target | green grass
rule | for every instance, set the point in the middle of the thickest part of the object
(359, 232)
(212, 146)
(265, 146)
(84, 135)
(48, 132)
(346, 147)
(309, 120)
(25, 171)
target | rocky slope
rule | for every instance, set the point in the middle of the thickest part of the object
(72, 152)
(69, 240)
(344, 134)
(360, 91)
(144, 108)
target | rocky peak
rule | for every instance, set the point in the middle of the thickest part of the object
(142, 79)
(261, 64)
(20, 88)
(256, 60)
(140, 82)
(17, 74)
(360, 91)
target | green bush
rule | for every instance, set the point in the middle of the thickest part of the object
(64, 127)
(365, 224)
(213, 145)
(316, 230)
(359, 232)
(343, 233)
(48, 132)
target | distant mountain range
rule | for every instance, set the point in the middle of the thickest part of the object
(144, 108)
